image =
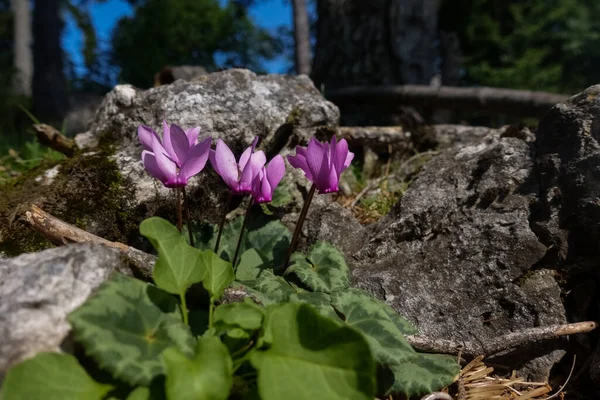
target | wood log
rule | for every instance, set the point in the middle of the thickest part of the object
(522, 103)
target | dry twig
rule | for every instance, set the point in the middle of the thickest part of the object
(52, 138)
(500, 343)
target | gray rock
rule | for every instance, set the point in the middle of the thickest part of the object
(455, 254)
(566, 216)
(105, 188)
(234, 105)
(39, 290)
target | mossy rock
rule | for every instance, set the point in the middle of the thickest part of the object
(88, 192)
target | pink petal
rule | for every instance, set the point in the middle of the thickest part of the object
(275, 171)
(316, 157)
(223, 161)
(326, 180)
(146, 135)
(152, 167)
(348, 160)
(177, 144)
(192, 135)
(196, 160)
(246, 154)
(299, 161)
(164, 164)
(266, 191)
(252, 168)
(341, 153)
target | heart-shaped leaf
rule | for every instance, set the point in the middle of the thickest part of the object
(219, 274)
(312, 357)
(424, 373)
(207, 376)
(324, 270)
(51, 376)
(368, 315)
(273, 286)
(125, 327)
(179, 265)
(247, 316)
(250, 266)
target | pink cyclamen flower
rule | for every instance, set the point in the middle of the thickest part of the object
(267, 180)
(176, 158)
(323, 163)
(237, 175)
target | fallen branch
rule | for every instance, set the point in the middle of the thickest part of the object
(374, 136)
(487, 99)
(60, 233)
(52, 138)
(141, 263)
(501, 343)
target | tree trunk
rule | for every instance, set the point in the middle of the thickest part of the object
(375, 42)
(23, 61)
(301, 37)
(49, 83)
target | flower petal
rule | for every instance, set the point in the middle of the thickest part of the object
(192, 135)
(326, 180)
(316, 157)
(275, 171)
(264, 192)
(252, 168)
(177, 144)
(146, 135)
(299, 161)
(196, 160)
(223, 161)
(246, 154)
(151, 166)
(167, 166)
(340, 155)
(348, 160)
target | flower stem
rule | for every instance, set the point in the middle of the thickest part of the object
(222, 223)
(298, 228)
(211, 311)
(186, 208)
(239, 243)
(184, 309)
(179, 217)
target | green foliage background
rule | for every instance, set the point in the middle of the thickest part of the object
(550, 45)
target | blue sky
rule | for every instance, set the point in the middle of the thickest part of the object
(269, 14)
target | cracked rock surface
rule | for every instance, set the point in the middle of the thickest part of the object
(39, 290)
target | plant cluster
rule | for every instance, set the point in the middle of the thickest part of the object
(301, 332)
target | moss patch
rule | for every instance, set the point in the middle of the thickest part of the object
(88, 192)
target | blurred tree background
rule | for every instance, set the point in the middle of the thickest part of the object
(546, 45)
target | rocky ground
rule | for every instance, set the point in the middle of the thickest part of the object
(498, 231)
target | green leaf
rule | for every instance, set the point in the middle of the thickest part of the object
(414, 373)
(321, 301)
(140, 393)
(250, 266)
(424, 373)
(51, 376)
(324, 270)
(208, 376)
(271, 240)
(246, 316)
(312, 357)
(219, 274)
(368, 315)
(126, 325)
(273, 286)
(179, 265)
